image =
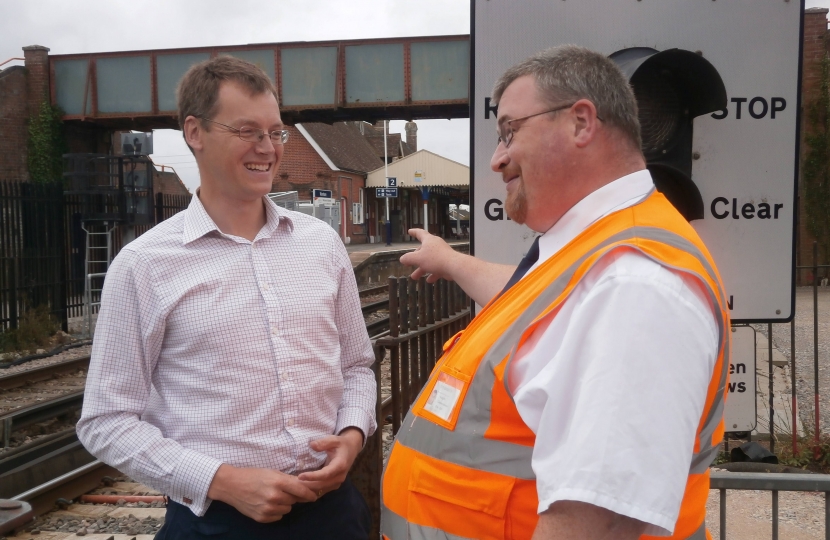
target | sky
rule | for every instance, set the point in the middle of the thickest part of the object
(113, 25)
(116, 25)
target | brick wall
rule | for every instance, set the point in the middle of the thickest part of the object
(815, 49)
(302, 170)
(13, 125)
(168, 183)
(37, 80)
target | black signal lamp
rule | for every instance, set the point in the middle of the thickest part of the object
(672, 88)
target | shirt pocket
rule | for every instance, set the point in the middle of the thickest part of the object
(459, 500)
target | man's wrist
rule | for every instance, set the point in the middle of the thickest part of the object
(355, 437)
(218, 486)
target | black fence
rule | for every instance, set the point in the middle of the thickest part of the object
(31, 246)
(43, 248)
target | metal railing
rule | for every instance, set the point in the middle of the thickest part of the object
(772, 482)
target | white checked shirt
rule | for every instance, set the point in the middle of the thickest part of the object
(213, 349)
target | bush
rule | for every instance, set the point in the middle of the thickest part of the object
(34, 329)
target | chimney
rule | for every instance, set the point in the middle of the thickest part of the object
(411, 129)
(37, 79)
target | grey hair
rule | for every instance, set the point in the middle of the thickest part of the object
(570, 73)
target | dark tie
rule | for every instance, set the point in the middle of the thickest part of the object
(528, 260)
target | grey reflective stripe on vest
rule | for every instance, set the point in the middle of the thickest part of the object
(396, 528)
(699, 534)
(469, 449)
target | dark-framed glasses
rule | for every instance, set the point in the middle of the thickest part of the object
(254, 135)
(506, 131)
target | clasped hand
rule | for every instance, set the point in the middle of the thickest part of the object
(266, 495)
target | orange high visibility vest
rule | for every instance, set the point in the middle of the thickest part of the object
(460, 466)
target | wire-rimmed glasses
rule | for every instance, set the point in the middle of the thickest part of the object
(254, 135)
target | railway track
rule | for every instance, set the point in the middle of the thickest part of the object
(42, 498)
(373, 291)
(22, 378)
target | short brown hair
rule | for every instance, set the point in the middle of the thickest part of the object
(198, 90)
(570, 73)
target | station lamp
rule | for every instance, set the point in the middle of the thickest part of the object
(672, 88)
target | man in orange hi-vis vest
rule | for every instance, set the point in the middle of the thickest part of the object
(585, 400)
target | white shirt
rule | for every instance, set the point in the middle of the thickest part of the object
(213, 349)
(613, 384)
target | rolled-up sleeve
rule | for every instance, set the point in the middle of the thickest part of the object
(128, 338)
(357, 408)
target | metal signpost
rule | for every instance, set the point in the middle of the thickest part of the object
(742, 156)
(386, 174)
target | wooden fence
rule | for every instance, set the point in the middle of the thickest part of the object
(422, 317)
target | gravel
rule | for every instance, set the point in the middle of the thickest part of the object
(129, 525)
(77, 352)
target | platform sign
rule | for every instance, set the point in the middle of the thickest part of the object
(383, 193)
(740, 413)
(322, 197)
(745, 156)
(391, 182)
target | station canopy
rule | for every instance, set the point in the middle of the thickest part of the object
(422, 169)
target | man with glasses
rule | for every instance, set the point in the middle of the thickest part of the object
(584, 401)
(231, 365)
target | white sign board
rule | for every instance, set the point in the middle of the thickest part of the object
(747, 161)
(740, 413)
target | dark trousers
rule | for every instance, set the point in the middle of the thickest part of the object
(341, 514)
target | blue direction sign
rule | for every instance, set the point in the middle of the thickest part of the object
(392, 181)
(324, 193)
(386, 192)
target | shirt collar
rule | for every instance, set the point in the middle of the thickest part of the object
(197, 222)
(621, 193)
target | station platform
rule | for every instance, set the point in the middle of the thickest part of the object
(358, 253)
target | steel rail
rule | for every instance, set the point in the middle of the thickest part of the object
(376, 328)
(39, 412)
(70, 485)
(43, 373)
(380, 289)
(21, 455)
(375, 306)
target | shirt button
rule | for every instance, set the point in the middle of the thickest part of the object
(274, 330)
(290, 422)
(264, 286)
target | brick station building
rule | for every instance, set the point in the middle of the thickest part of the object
(338, 157)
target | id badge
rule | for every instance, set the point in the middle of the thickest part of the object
(445, 396)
